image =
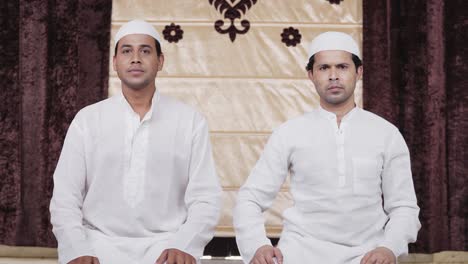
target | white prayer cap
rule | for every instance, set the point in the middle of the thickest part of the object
(136, 27)
(333, 40)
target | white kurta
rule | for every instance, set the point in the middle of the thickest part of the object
(339, 176)
(125, 189)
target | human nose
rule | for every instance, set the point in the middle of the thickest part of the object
(136, 57)
(333, 76)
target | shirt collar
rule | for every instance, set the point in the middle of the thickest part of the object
(332, 116)
(129, 109)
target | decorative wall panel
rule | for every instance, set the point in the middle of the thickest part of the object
(246, 84)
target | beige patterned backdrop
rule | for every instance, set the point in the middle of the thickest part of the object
(245, 87)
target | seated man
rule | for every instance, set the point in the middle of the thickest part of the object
(135, 182)
(354, 200)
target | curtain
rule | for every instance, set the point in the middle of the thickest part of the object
(416, 64)
(55, 60)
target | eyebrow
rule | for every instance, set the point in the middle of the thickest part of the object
(140, 46)
(338, 64)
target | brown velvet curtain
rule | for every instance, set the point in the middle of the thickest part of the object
(53, 61)
(416, 70)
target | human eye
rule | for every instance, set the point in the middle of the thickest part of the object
(126, 51)
(342, 66)
(323, 67)
(146, 51)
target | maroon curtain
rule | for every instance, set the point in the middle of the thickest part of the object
(54, 61)
(416, 70)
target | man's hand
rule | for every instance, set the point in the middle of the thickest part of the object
(175, 256)
(85, 260)
(266, 254)
(380, 255)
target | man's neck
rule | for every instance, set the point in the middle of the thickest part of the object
(139, 100)
(339, 110)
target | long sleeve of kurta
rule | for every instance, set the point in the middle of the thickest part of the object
(67, 201)
(340, 177)
(257, 195)
(202, 198)
(399, 197)
(144, 183)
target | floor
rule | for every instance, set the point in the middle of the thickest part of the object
(29, 256)
(54, 261)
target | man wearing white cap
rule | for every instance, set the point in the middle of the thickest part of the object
(354, 200)
(135, 182)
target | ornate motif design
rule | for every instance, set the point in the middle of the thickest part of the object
(232, 10)
(173, 33)
(336, 2)
(291, 36)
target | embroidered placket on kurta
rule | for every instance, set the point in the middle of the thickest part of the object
(136, 149)
(340, 144)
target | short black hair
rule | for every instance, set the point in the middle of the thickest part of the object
(357, 62)
(158, 48)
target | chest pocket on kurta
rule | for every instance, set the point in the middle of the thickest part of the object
(367, 176)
